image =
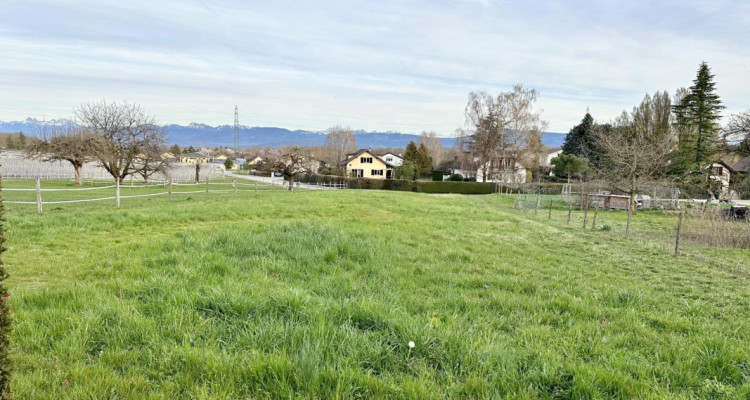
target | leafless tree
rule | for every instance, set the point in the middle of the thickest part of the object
(150, 163)
(122, 132)
(289, 162)
(737, 131)
(504, 129)
(638, 146)
(339, 142)
(70, 143)
(434, 146)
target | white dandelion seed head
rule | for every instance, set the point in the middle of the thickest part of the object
(411, 344)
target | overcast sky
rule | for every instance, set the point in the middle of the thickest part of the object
(376, 65)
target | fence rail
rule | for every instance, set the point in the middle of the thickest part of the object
(206, 187)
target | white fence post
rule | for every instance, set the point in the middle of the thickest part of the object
(170, 189)
(38, 195)
(234, 185)
(117, 192)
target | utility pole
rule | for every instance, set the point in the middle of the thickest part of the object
(236, 129)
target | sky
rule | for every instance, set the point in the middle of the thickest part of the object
(406, 66)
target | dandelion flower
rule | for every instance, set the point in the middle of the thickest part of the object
(411, 344)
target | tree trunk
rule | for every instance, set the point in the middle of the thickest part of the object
(291, 182)
(77, 168)
(633, 190)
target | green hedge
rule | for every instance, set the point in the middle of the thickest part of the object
(458, 187)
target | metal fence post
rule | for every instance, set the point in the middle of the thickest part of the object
(38, 195)
(677, 240)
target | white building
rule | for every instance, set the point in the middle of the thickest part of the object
(393, 159)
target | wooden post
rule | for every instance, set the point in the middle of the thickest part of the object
(677, 240)
(586, 214)
(131, 180)
(234, 185)
(117, 192)
(570, 209)
(170, 189)
(38, 195)
(596, 213)
(550, 210)
(538, 202)
(206, 185)
(627, 227)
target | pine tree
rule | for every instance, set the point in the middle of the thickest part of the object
(579, 137)
(697, 117)
(424, 162)
(5, 321)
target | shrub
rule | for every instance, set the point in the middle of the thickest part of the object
(456, 178)
(437, 176)
(456, 187)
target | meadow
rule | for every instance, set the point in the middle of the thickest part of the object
(317, 294)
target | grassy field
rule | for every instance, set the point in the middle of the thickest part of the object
(317, 295)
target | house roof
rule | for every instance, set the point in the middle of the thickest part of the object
(196, 155)
(742, 166)
(553, 150)
(362, 151)
(722, 163)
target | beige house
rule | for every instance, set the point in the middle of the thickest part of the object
(365, 164)
(721, 172)
(195, 158)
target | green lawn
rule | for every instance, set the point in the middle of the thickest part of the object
(317, 294)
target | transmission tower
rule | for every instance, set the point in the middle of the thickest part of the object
(236, 129)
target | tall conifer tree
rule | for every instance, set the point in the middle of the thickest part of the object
(697, 117)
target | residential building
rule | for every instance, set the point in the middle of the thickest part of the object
(393, 159)
(195, 158)
(503, 170)
(365, 164)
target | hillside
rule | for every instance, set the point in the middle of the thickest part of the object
(223, 135)
(318, 294)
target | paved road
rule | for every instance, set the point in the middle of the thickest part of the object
(275, 181)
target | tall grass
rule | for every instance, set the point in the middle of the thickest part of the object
(317, 294)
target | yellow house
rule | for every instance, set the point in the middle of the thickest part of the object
(222, 158)
(167, 155)
(364, 164)
(194, 158)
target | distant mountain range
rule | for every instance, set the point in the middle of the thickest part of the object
(196, 134)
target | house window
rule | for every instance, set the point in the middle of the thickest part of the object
(365, 160)
(718, 171)
(389, 159)
(376, 172)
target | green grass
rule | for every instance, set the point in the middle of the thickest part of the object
(316, 295)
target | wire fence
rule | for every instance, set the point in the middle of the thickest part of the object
(697, 225)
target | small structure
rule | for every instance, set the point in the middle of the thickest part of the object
(552, 153)
(611, 201)
(742, 166)
(365, 164)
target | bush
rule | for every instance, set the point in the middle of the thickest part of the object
(437, 176)
(456, 178)
(456, 187)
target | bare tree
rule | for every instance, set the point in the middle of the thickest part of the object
(70, 143)
(339, 142)
(122, 133)
(736, 133)
(434, 146)
(150, 163)
(505, 129)
(289, 162)
(639, 144)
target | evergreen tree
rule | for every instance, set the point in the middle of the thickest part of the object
(10, 143)
(424, 162)
(175, 149)
(21, 141)
(5, 321)
(697, 115)
(409, 169)
(579, 137)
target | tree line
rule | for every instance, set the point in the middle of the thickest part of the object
(673, 138)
